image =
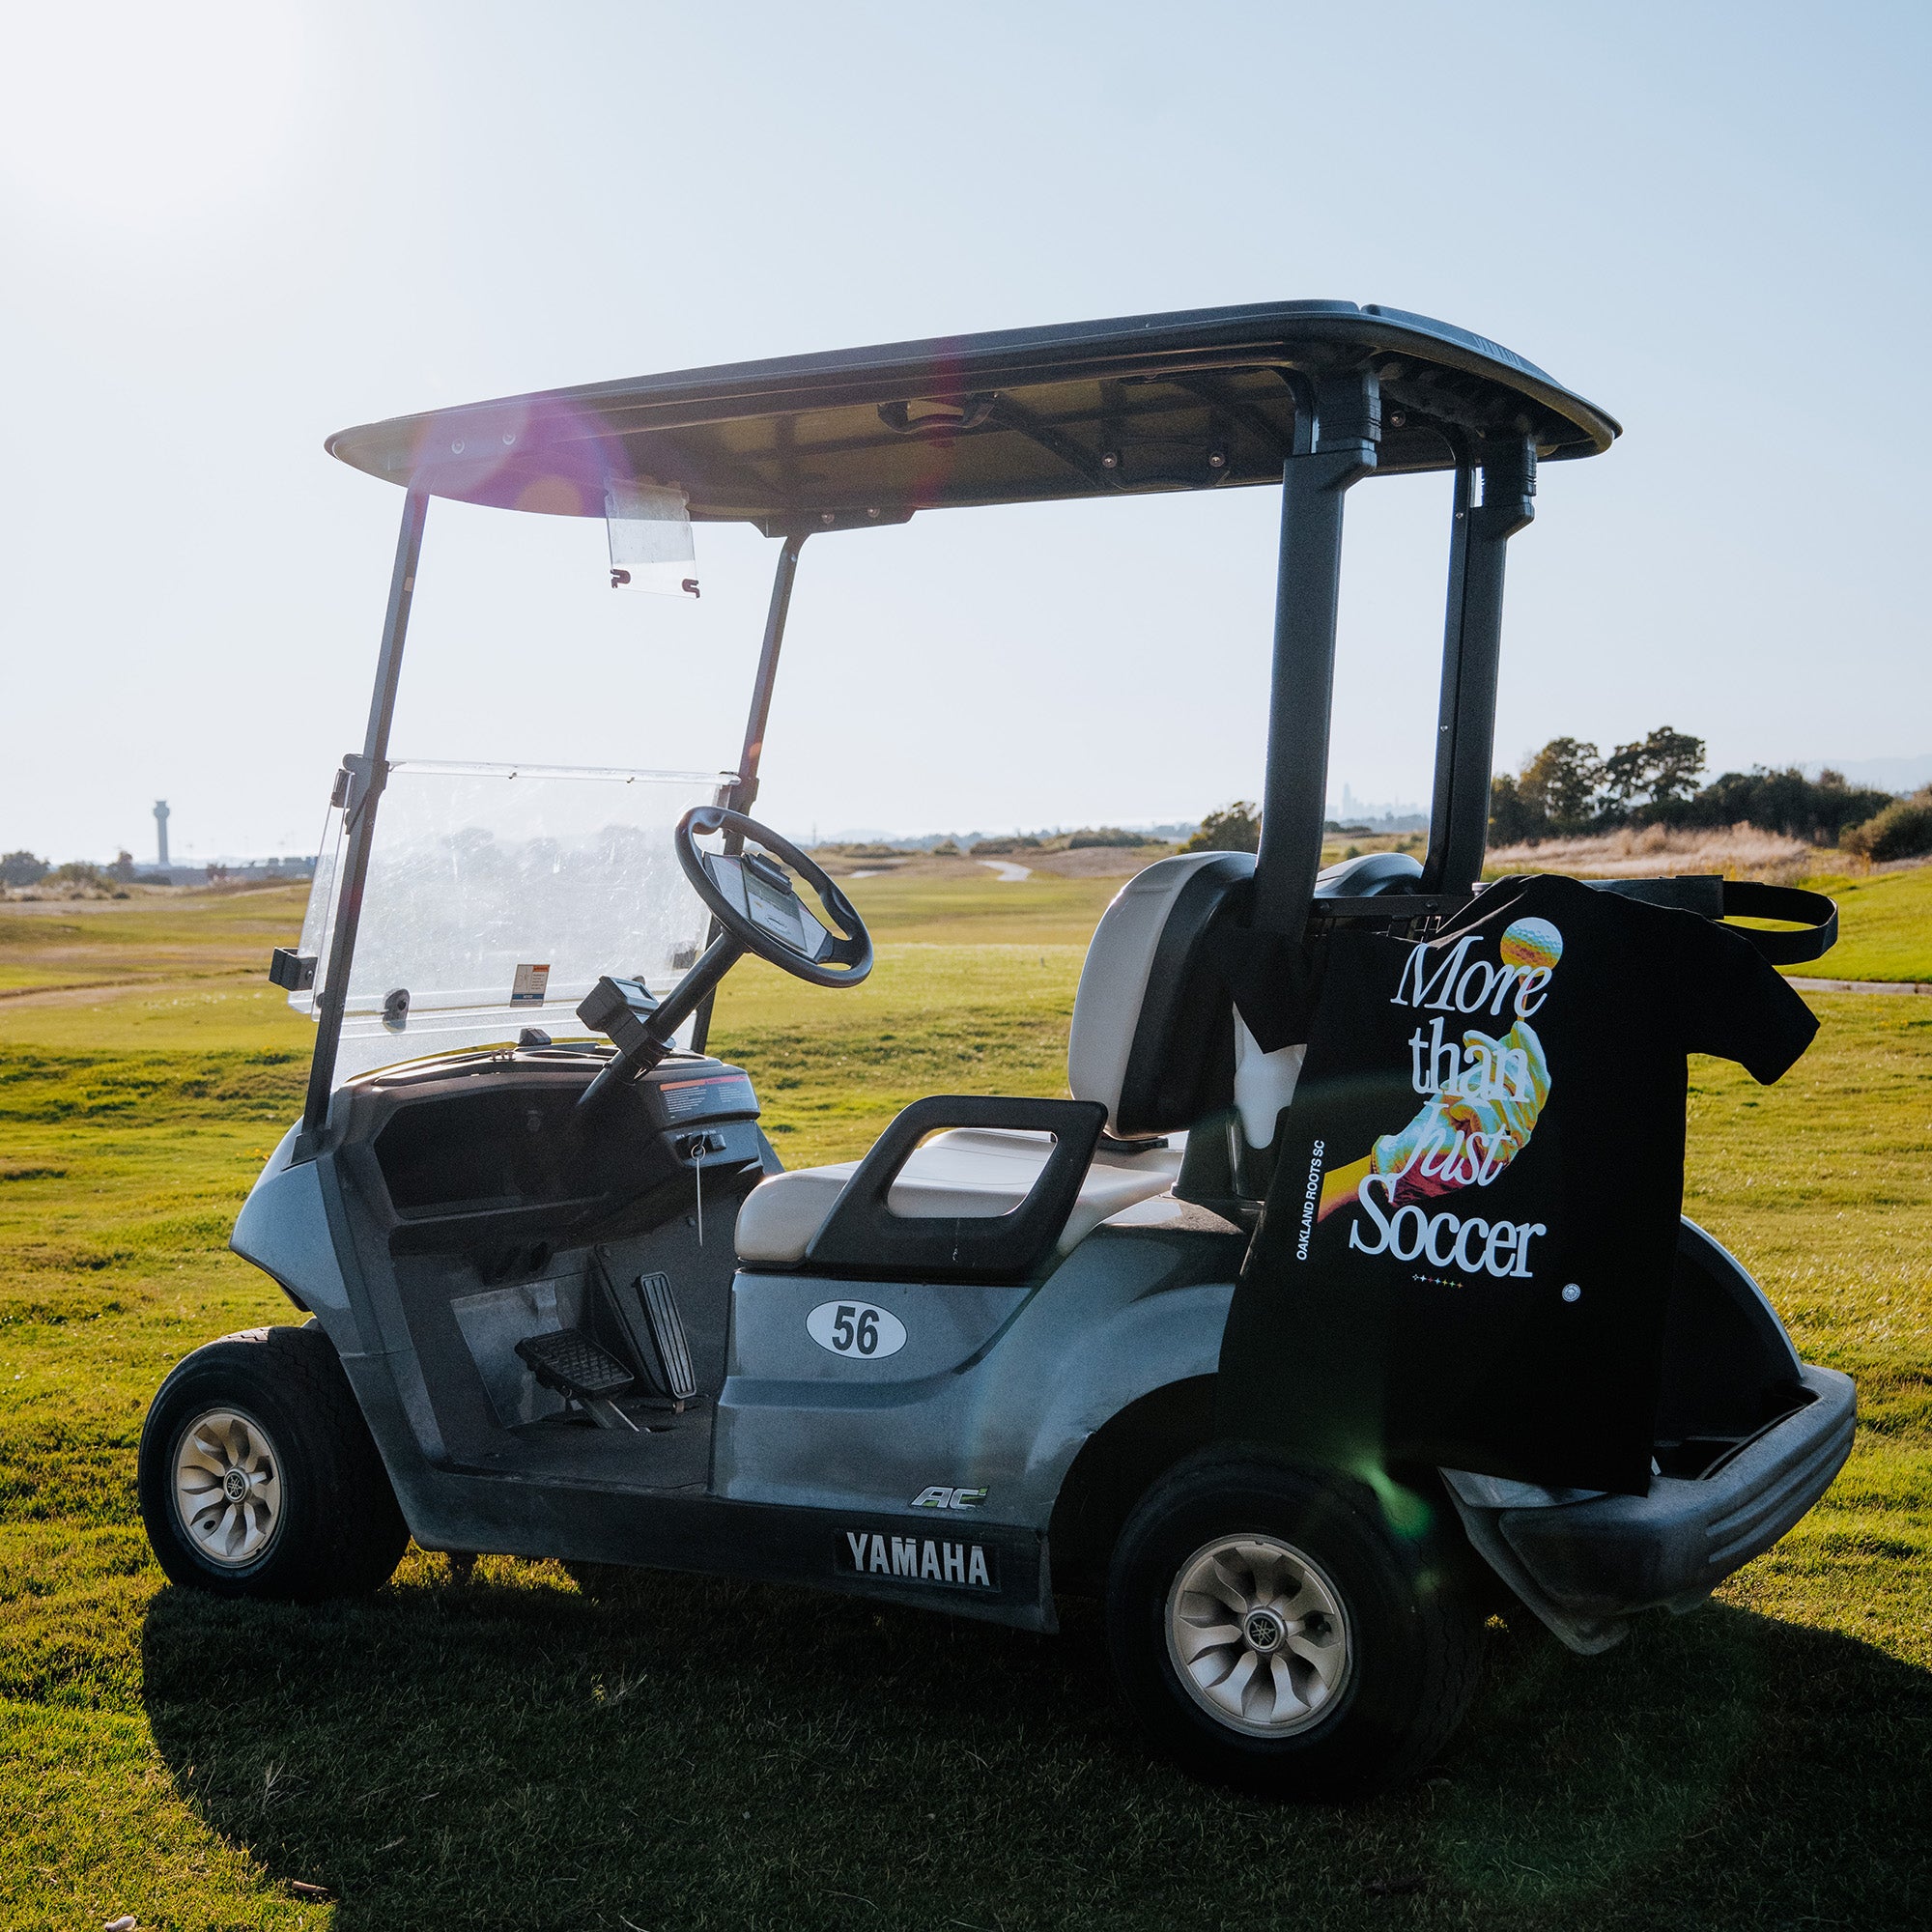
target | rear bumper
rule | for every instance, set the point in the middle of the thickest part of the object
(1613, 1555)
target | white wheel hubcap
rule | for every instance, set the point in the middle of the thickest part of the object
(1258, 1635)
(228, 1488)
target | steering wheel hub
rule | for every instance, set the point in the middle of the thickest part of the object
(752, 898)
(754, 908)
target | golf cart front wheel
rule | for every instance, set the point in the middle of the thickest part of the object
(1271, 1631)
(259, 1477)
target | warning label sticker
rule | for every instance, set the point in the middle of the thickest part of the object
(526, 989)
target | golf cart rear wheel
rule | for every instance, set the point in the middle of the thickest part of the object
(1271, 1631)
(259, 1477)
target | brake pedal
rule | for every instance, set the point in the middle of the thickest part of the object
(647, 1313)
(568, 1361)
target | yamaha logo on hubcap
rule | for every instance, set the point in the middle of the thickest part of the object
(1264, 1630)
(235, 1485)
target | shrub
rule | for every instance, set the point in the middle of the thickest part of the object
(1103, 834)
(1818, 809)
(1903, 830)
(1238, 828)
(22, 869)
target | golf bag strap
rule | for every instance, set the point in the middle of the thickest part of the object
(1721, 898)
(1815, 915)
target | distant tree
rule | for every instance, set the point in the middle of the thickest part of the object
(1566, 788)
(1235, 828)
(22, 869)
(1103, 834)
(1673, 762)
(1513, 819)
(1659, 769)
(1561, 783)
(123, 866)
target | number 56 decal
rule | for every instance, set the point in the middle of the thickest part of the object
(855, 1328)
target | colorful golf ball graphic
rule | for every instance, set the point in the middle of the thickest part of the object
(1532, 942)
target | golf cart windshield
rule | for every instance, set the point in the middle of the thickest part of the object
(495, 896)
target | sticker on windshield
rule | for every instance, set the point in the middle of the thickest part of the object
(856, 1329)
(526, 989)
(650, 539)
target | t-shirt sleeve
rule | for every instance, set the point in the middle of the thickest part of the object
(1732, 1002)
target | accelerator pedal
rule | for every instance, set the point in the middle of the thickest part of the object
(646, 1315)
(568, 1361)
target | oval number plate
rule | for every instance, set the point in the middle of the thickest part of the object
(855, 1328)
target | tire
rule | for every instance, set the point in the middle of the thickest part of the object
(297, 1505)
(1365, 1648)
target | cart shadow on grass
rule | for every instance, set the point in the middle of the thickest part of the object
(510, 1751)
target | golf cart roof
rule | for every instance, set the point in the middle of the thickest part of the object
(1201, 399)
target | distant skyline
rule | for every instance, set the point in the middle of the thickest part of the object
(233, 229)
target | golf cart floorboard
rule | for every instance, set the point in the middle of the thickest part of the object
(671, 1453)
(467, 1324)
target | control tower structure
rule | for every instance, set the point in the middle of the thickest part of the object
(161, 831)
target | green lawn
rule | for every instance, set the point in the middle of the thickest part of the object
(1885, 923)
(503, 1751)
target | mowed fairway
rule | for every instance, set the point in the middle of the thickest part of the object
(507, 1752)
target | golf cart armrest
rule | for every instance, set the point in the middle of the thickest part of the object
(862, 1237)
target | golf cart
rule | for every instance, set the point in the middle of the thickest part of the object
(565, 1301)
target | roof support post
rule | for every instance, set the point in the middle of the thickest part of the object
(360, 786)
(1459, 819)
(1337, 428)
(746, 790)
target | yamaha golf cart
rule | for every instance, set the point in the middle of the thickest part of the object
(566, 1302)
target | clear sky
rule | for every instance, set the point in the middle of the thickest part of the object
(229, 229)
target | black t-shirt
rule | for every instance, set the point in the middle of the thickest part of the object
(1467, 1252)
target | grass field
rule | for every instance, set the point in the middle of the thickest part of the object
(503, 1751)
(1885, 924)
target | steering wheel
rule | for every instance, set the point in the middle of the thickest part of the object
(760, 909)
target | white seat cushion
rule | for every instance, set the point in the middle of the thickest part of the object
(966, 1171)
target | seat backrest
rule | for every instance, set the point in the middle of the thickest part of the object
(1153, 1038)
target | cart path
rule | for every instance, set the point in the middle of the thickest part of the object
(1010, 874)
(85, 992)
(1919, 987)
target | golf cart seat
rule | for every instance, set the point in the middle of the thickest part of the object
(968, 1173)
(1142, 1032)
